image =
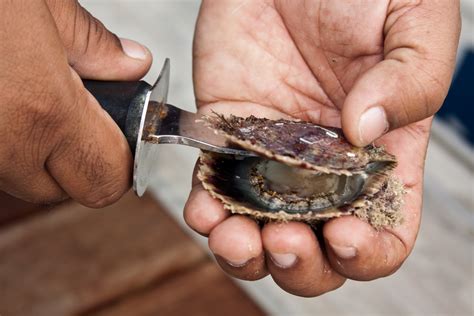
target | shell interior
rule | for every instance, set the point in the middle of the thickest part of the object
(271, 186)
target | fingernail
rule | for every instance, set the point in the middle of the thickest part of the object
(237, 263)
(133, 49)
(344, 252)
(283, 260)
(372, 124)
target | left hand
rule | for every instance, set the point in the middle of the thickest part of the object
(377, 67)
(57, 142)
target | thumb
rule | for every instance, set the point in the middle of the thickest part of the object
(93, 51)
(410, 84)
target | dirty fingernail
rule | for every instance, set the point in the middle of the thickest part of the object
(344, 252)
(234, 262)
(372, 124)
(133, 49)
(283, 260)
(237, 263)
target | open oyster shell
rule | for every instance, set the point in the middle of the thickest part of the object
(304, 172)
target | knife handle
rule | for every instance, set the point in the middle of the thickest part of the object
(124, 102)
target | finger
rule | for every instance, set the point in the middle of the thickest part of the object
(93, 51)
(92, 161)
(296, 261)
(358, 251)
(202, 212)
(237, 245)
(412, 81)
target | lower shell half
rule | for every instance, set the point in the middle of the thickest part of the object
(271, 191)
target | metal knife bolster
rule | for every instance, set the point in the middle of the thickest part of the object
(161, 120)
(168, 124)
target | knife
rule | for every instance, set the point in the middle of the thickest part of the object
(146, 120)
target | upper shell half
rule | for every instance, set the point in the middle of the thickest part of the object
(304, 172)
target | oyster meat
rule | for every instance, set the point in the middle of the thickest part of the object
(303, 172)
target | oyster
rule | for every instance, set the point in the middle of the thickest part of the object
(304, 172)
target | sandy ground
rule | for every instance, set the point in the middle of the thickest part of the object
(438, 276)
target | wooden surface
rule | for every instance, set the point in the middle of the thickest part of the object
(203, 290)
(127, 259)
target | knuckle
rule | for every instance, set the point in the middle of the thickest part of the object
(41, 122)
(83, 36)
(87, 36)
(99, 39)
(63, 12)
(94, 172)
(88, 177)
(35, 193)
(39, 101)
(104, 196)
(106, 183)
(43, 108)
(34, 121)
(48, 198)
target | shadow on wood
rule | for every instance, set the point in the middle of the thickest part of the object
(127, 259)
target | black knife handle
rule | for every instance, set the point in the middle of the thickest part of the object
(124, 101)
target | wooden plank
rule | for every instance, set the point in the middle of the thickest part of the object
(72, 258)
(203, 290)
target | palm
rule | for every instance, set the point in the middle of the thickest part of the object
(267, 62)
(283, 64)
(271, 60)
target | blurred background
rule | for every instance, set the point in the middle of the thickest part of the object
(437, 279)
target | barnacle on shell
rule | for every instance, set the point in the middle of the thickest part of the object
(304, 172)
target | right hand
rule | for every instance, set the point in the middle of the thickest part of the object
(56, 141)
(328, 62)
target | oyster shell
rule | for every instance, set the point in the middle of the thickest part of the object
(304, 172)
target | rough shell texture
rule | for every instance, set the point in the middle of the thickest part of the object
(299, 143)
(308, 146)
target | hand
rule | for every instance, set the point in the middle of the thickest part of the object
(56, 140)
(371, 66)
